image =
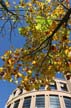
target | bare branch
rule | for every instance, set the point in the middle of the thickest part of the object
(63, 5)
(1, 28)
(5, 7)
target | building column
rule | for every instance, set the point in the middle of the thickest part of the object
(58, 86)
(12, 105)
(24, 91)
(46, 101)
(32, 102)
(21, 103)
(62, 105)
(69, 85)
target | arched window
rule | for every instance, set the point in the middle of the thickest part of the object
(16, 104)
(27, 102)
(54, 101)
(67, 101)
(40, 101)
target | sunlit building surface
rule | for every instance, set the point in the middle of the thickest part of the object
(58, 97)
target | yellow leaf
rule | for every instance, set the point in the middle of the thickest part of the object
(7, 4)
(9, 61)
(29, 71)
(33, 62)
(7, 53)
(48, 0)
(26, 79)
(68, 52)
(11, 80)
(1, 69)
(19, 74)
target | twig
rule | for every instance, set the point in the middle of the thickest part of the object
(5, 7)
(63, 5)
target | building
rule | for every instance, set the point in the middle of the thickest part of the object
(58, 97)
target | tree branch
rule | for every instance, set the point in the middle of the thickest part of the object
(64, 20)
(5, 7)
(63, 5)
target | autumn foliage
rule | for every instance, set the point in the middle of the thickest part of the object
(48, 44)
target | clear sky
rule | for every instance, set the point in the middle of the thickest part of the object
(17, 41)
(6, 88)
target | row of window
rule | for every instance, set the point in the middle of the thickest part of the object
(63, 86)
(53, 86)
(40, 102)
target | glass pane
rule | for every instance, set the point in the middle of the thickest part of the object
(16, 104)
(14, 92)
(42, 88)
(67, 101)
(53, 86)
(27, 102)
(54, 101)
(40, 101)
(63, 87)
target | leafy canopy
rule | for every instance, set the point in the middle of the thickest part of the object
(48, 43)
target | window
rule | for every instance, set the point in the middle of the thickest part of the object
(9, 106)
(16, 104)
(67, 101)
(27, 102)
(42, 87)
(63, 86)
(14, 92)
(53, 86)
(40, 101)
(54, 101)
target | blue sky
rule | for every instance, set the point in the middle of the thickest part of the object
(17, 41)
(6, 88)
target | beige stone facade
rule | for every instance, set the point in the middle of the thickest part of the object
(58, 97)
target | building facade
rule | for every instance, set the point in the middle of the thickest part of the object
(58, 97)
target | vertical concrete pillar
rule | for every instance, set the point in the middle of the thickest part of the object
(69, 85)
(58, 86)
(32, 102)
(61, 102)
(46, 101)
(21, 103)
(24, 91)
(12, 105)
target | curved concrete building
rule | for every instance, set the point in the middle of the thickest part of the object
(58, 97)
